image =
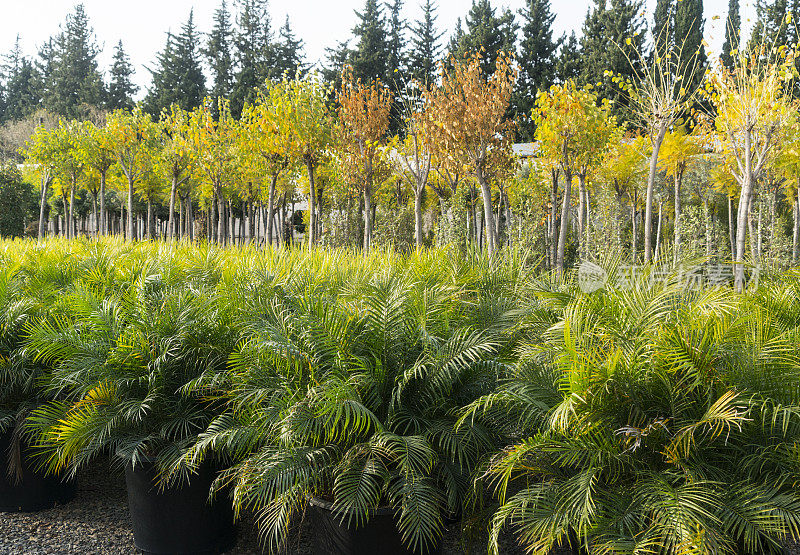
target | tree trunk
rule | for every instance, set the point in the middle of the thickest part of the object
(312, 193)
(171, 224)
(562, 234)
(658, 231)
(150, 230)
(796, 228)
(271, 206)
(418, 215)
(130, 209)
(709, 228)
(634, 234)
(553, 216)
(731, 228)
(488, 213)
(43, 205)
(103, 215)
(73, 227)
(367, 216)
(220, 218)
(651, 183)
(581, 216)
(678, 212)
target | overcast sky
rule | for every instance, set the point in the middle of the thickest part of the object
(142, 24)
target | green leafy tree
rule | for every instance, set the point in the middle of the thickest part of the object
(569, 61)
(289, 55)
(23, 94)
(16, 199)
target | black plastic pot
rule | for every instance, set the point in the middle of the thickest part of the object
(35, 491)
(379, 535)
(178, 520)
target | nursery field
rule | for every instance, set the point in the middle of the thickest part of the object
(399, 403)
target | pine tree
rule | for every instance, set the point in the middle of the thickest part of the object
(663, 26)
(337, 58)
(219, 56)
(454, 45)
(424, 53)
(612, 37)
(21, 95)
(74, 79)
(289, 52)
(121, 89)
(569, 61)
(487, 34)
(255, 52)
(178, 78)
(537, 61)
(372, 49)
(733, 30)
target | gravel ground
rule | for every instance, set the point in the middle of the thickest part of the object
(97, 522)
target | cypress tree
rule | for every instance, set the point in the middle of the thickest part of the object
(372, 48)
(733, 30)
(121, 89)
(689, 26)
(219, 56)
(537, 61)
(612, 39)
(663, 27)
(425, 49)
(289, 52)
(74, 78)
(337, 57)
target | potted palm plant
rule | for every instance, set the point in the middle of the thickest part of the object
(672, 427)
(344, 401)
(127, 356)
(23, 486)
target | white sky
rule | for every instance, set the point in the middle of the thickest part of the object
(142, 24)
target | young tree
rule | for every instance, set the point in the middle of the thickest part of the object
(310, 127)
(470, 110)
(99, 152)
(134, 136)
(752, 107)
(364, 111)
(41, 151)
(216, 142)
(121, 89)
(677, 152)
(176, 158)
(566, 120)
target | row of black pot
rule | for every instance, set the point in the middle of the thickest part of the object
(181, 520)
